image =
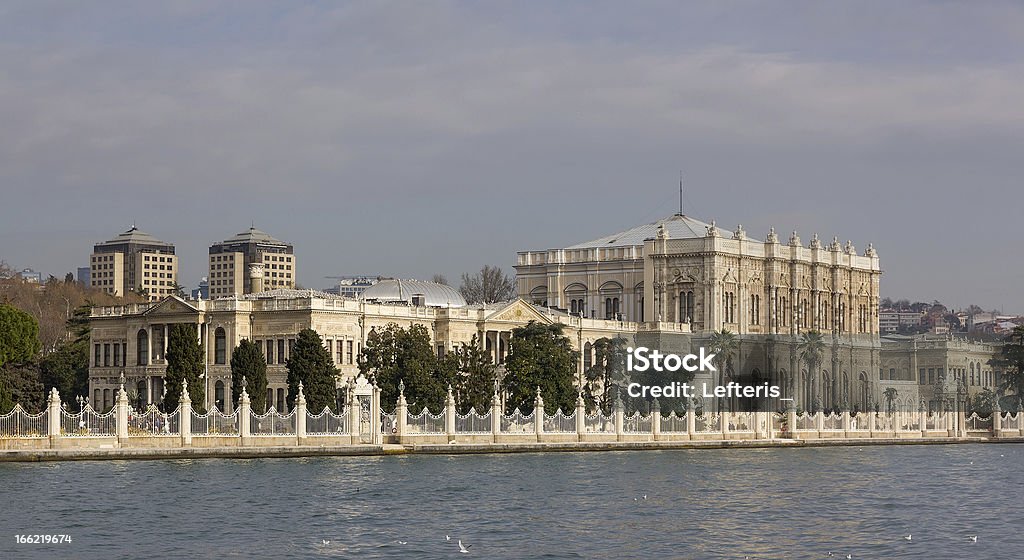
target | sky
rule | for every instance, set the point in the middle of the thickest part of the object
(413, 138)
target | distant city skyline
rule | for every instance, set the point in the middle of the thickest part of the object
(413, 139)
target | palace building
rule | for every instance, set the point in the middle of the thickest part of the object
(682, 271)
(676, 285)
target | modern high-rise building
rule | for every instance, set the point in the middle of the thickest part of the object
(134, 261)
(250, 262)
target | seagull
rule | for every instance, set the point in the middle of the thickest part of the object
(645, 496)
(849, 556)
(974, 538)
(829, 554)
(463, 548)
(447, 537)
(325, 541)
(908, 537)
(403, 542)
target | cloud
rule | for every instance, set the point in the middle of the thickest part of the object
(407, 109)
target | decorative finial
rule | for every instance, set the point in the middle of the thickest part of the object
(870, 251)
(772, 236)
(712, 229)
(850, 249)
(794, 240)
(739, 233)
(401, 386)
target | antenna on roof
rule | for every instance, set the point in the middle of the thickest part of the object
(680, 192)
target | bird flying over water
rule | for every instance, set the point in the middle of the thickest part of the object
(908, 537)
(463, 548)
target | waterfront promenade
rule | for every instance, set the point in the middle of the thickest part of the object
(364, 429)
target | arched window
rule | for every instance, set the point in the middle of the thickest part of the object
(220, 343)
(588, 358)
(218, 395)
(142, 348)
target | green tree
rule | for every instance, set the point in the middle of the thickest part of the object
(540, 356)
(393, 354)
(247, 362)
(984, 402)
(475, 385)
(67, 369)
(812, 351)
(311, 364)
(21, 382)
(1011, 361)
(6, 397)
(19, 335)
(184, 362)
(608, 374)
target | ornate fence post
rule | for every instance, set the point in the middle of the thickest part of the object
(997, 420)
(922, 418)
(495, 415)
(449, 415)
(185, 415)
(655, 420)
(353, 413)
(872, 418)
(53, 411)
(401, 413)
(723, 418)
(538, 415)
(791, 419)
(618, 412)
(691, 418)
(375, 421)
(581, 416)
(300, 417)
(819, 422)
(756, 419)
(244, 417)
(846, 423)
(121, 417)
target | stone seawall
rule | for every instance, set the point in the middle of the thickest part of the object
(155, 453)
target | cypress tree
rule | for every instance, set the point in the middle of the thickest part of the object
(184, 361)
(311, 363)
(247, 361)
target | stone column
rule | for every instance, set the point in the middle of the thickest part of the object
(163, 353)
(581, 416)
(449, 415)
(185, 415)
(846, 423)
(871, 423)
(401, 413)
(691, 419)
(997, 420)
(655, 420)
(244, 416)
(54, 416)
(961, 417)
(791, 419)
(149, 346)
(819, 422)
(300, 417)
(723, 417)
(495, 414)
(756, 418)
(538, 415)
(121, 404)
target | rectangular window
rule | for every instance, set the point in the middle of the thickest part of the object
(921, 376)
(117, 354)
(341, 352)
(892, 373)
(350, 352)
(280, 351)
(330, 347)
(931, 376)
(291, 346)
(96, 356)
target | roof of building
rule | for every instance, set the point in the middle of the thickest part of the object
(677, 226)
(134, 235)
(398, 290)
(253, 235)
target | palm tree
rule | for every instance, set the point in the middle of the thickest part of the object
(723, 345)
(890, 395)
(812, 351)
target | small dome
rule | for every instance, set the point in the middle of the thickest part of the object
(394, 290)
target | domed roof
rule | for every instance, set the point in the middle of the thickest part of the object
(397, 290)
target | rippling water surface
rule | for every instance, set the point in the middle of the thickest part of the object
(764, 503)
